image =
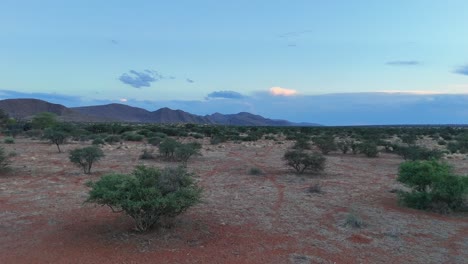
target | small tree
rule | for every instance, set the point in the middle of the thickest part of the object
(56, 136)
(85, 157)
(344, 146)
(326, 144)
(4, 160)
(301, 161)
(167, 147)
(302, 143)
(147, 195)
(369, 149)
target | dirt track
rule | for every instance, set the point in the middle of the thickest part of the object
(269, 218)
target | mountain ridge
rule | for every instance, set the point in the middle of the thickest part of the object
(27, 108)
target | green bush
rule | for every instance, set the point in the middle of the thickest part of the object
(369, 149)
(9, 140)
(302, 161)
(155, 141)
(353, 220)
(432, 184)
(326, 144)
(168, 147)
(418, 153)
(86, 157)
(217, 139)
(147, 195)
(355, 147)
(98, 141)
(112, 139)
(344, 146)
(302, 143)
(147, 154)
(409, 139)
(196, 135)
(183, 152)
(130, 136)
(255, 171)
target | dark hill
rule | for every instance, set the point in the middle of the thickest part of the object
(117, 112)
(26, 108)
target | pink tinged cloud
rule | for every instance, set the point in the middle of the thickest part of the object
(279, 91)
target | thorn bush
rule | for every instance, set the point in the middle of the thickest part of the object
(86, 157)
(146, 195)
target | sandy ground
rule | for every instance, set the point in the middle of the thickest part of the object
(268, 218)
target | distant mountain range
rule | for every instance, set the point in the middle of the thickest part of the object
(27, 108)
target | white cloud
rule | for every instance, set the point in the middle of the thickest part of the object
(449, 89)
(418, 92)
(279, 91)
(123, 100)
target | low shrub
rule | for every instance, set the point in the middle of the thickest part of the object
(4, 160)
(302, 143)
(344, 146)
(9, 140)
(98, 141)
(369, 149)
(302, 161)
(354, 221)
(130, 136)
(167, 147)
(155, 141)
(255, 171)
(418, 153)
(183, 152)
(147, 155)
(326, 144)
(86, 157)
(315, 188)
(432, 184)
(112, 139)
(146, 195)
(217, 139)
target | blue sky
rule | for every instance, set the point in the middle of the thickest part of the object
(229, 56)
